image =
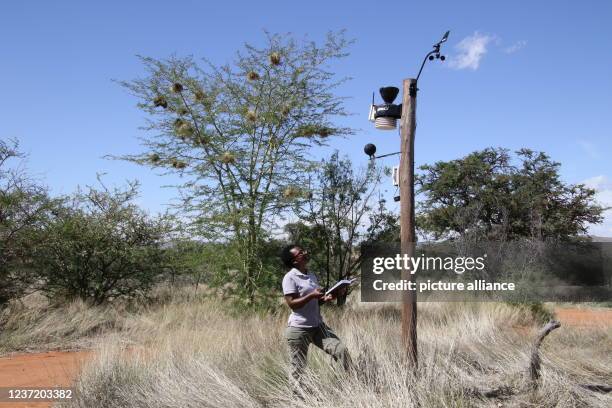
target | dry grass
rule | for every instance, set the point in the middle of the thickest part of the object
(35, 325)
(197, 354)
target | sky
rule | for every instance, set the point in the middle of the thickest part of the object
(517, 74)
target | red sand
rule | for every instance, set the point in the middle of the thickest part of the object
(584, 317)
(51, 369)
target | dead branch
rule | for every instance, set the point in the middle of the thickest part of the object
(597, 388)
(503, 391)
(535, 362)
(533, 372)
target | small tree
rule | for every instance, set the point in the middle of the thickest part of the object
(24, 206)
(184, 260)
(316, 239)
(100, 246)
(240, 135)
(335, 215)
(485, 196)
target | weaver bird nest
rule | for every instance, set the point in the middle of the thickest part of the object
(178, 164)
(183, 128)
(292, 192)
(176, 87)
(275, 58)
(314, 130)
(160, 101)
(199, 96)
(201, 140)
(227, 158)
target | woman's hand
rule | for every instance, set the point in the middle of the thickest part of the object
(317, 293)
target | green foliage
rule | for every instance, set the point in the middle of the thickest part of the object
(384, 225)
(483, 195)
(24, 206)
(317, 240)
(240, 134)
(332, 218)
(536, 310)
(100, 246)
(217, 264)
(185, 261)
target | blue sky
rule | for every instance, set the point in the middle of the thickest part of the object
(519, 74)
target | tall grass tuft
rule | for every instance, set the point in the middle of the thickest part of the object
(199, 354)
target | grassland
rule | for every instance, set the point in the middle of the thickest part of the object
(186, 351)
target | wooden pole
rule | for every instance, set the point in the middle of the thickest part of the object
(407, 229)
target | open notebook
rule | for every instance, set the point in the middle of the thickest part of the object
(340, 284)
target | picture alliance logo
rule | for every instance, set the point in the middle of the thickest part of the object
(458, 265)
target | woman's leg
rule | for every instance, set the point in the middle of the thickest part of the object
(328, 341)
(298, 340)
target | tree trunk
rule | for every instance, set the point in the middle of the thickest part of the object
(251, 261)
(341, 301)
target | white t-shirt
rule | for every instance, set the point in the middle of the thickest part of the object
(302, 284)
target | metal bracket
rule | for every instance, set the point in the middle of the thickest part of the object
(384, 155)
(413, 89)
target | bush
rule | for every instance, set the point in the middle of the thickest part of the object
(101, 247)
(24, 205)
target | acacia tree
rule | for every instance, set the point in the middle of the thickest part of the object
(240, 135)
(24, 206)
(484, 195)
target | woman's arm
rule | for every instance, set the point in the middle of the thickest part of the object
(295, 302)
(332, 296)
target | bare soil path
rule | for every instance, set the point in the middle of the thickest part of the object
(51, 369)
(584, 317)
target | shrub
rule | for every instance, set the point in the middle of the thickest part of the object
(100, 247)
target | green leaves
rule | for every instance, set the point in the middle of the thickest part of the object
(311, 130)
(334, 214)
(24, 209)
(487, 197)
(100, 246)
(244, 131)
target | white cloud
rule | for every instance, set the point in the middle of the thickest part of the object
(603, 187)
(589, 148)
(598, 182)
(515, 47)
(470, 51)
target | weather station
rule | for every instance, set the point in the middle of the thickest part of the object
(385, 117)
